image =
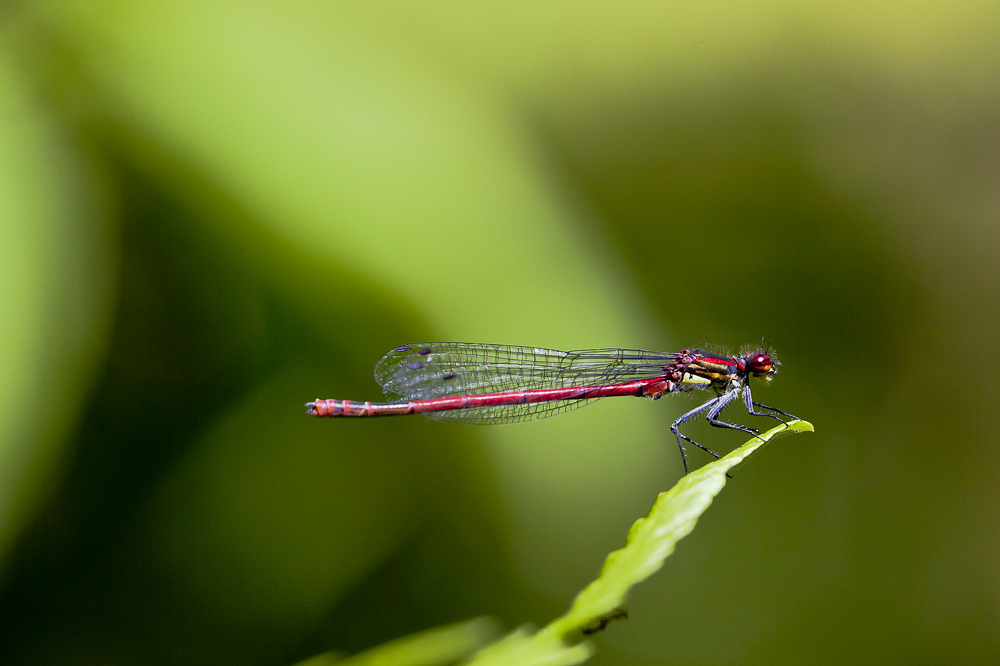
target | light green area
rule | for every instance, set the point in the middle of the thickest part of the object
(443, 645)
(362, 174)
(56, 272)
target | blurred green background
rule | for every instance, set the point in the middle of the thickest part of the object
(212, 212)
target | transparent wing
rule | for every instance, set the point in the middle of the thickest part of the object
(426, 370)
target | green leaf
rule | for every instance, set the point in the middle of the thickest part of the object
(650, 541)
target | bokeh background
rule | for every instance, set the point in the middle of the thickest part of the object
(212, 212)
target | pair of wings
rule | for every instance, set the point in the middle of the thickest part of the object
(428, 370)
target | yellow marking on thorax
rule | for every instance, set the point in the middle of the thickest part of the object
(688, 378)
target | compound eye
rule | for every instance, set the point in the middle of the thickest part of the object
(760, 364)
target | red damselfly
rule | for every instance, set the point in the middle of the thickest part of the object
(488, 384)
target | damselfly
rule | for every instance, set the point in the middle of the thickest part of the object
(487, 384)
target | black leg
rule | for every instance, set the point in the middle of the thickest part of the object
(748, 400)
(773, 409)
(675, 428)
(713, 413)
(713, 408)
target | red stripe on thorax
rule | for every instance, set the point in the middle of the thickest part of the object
(721, 360)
